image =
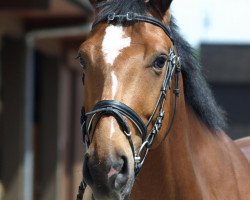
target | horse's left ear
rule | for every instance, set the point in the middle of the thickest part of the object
(161, 5)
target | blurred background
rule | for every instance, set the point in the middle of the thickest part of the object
(40, 85)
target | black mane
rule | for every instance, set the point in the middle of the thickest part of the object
(196, 90)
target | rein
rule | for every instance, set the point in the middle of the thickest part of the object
(121, 112)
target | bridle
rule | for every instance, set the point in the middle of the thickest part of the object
(121, 112)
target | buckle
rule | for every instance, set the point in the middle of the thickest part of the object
(129, 16)
(137, 159)
(111, 17)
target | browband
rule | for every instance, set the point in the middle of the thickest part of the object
(134, 17)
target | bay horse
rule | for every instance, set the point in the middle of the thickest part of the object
(152, 127)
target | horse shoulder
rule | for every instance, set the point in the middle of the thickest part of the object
(244, 145)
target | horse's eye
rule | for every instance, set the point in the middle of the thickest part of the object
(81, 60)
(159, 62)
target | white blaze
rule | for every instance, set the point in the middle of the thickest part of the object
(114, 90)
(114, 84)
(113, 42)
(112, 129)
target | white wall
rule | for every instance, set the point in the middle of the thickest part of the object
(220, 21)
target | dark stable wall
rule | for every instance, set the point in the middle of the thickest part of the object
(227, 68)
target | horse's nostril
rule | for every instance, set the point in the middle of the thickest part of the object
(124, 169)
(122, 176)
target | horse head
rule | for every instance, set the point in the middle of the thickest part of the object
(130, 68)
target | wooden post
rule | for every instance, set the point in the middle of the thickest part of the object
(48, 128)
(12, 133)
(1, 124)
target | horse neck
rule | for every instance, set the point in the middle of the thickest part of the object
(193, 163)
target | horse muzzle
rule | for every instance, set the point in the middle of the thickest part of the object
(110, 179)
